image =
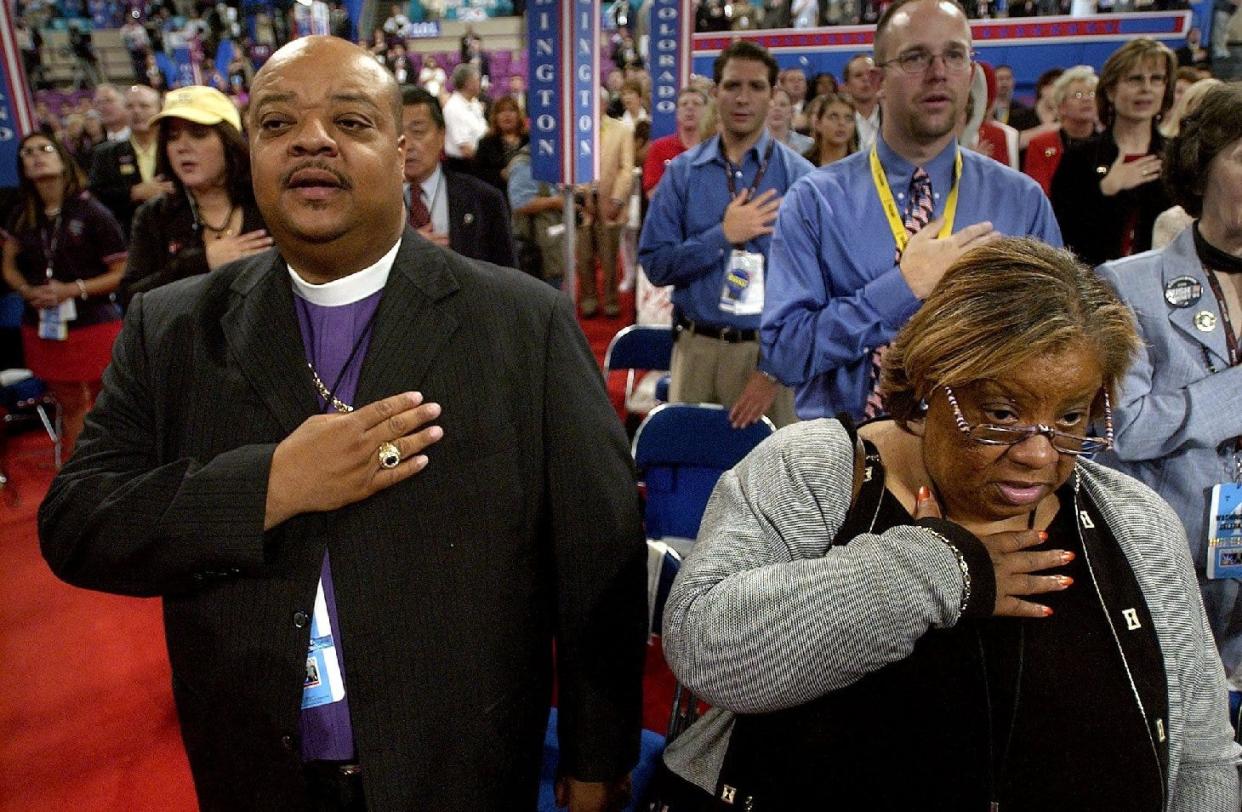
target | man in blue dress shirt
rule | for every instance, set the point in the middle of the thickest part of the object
(837, 291)
(708, 232)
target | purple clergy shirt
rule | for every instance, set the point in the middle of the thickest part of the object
(329, 336)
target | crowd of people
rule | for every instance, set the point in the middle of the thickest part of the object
(974, 368)
(721, 15)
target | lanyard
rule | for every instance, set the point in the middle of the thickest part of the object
(730, 169)
(896, 222)
(1231, 344)
(1231, 338)
(49, 244)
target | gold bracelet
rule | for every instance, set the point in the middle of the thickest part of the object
(82, 287)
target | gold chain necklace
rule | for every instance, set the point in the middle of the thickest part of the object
(337, 403)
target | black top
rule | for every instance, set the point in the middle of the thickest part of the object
(938, 730)
(1095, 226)
(83, 240)
(492, 155)
(168, 245)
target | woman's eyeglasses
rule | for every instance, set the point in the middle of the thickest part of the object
(988, 434)
(31, 151)
(918, 60)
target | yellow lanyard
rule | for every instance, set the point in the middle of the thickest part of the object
(895, 221)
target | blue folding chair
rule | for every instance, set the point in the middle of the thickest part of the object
(24, 397)
(681, 450)
(639, 346)
(662, 566)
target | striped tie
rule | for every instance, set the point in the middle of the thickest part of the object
(919, 206)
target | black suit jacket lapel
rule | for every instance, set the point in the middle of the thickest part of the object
(461, 234)
(261, 329)
(413, 323)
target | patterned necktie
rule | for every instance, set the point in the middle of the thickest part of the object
(419, 214)
(919, 206)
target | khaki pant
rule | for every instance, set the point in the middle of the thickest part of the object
(598, 241)
(709, 370)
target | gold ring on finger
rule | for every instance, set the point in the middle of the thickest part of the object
(389, 455)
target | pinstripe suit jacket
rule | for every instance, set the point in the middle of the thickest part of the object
(767, 615)
(451, 585)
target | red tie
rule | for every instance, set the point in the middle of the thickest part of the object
(419, 215)
(919, 208)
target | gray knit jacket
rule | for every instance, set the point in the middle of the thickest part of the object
(767, 615)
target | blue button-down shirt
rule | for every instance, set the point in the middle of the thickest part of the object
(683, 242)
(834, 290)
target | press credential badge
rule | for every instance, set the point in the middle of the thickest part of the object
(323, 683)
(742, 294)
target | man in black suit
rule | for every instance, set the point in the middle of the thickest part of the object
(122, 173)
(451, 209)
(377, 485)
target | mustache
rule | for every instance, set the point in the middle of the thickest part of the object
(322, 166)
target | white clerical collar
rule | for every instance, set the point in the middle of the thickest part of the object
(348, 289)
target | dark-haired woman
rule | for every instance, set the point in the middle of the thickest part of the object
(64, 253)
(954, 608)
(506, 134)
(1106, 191)
(210, 218)
(1179, 412)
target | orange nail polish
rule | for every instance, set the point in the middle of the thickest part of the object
(1043, 536)
(1064, 581)
(924, 493)
(1047, 611)
(1067, 557)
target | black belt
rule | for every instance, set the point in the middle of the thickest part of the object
(722, 332)
(334, 786)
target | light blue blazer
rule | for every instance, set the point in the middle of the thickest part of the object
(1179, 409)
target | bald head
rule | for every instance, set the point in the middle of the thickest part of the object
(142, 103)
(327, 156)
(331, 55)
(898, 17)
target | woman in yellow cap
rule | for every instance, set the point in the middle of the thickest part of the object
(210, 218)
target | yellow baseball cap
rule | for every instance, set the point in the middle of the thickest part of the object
(200, 104)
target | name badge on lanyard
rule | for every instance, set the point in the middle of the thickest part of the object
(742, 292)
(323, 684)
(743, 284)
(896, 223)
(54, 321)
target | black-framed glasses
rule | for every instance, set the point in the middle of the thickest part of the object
(31, 151)
(918, 60)
(988, 434)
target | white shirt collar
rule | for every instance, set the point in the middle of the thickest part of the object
(348, 289)
(431, 185)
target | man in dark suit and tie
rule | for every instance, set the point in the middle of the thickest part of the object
(122, 173)
(379, 487)
(451, 209)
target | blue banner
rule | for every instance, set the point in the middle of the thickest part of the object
(584, 138)
(16, 108)
(563, 102)
(668, 56)
(544, 43)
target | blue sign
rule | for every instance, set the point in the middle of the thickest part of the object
(16, 109)
(584, 135)
(563, 99)
(668, 55)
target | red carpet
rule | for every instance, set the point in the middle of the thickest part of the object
(85, 703)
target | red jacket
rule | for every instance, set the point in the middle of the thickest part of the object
(1043, 155)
